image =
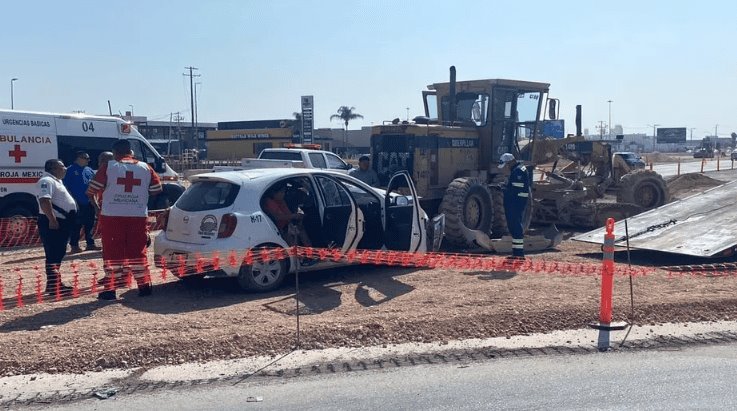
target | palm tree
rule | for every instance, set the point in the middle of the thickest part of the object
(345, 114)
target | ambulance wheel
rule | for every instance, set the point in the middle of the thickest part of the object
(262, 276)
(19, 222)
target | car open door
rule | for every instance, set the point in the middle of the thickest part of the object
(403, 227)
(342, 220)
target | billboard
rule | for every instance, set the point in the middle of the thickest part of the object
(671, 135)
(307, 117)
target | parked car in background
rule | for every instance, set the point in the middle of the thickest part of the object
(633, 160)
(703, 153)
(224, 211)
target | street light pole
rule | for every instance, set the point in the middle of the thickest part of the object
(610, 118)
(131, 106)
(654, 137)
(12, 102)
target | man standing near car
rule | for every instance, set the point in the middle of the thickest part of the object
(58, 211)
(126, 185)
(77, 178)
(364, 172)
(516, 201)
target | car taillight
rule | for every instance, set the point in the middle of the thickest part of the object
(227, 225)
(163, 219)
(169, 178)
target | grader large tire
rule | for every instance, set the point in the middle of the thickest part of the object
(499, 224)
(466, 203)
(644, 188)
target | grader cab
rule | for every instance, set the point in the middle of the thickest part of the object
(452, 153)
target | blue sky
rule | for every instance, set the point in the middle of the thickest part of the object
(668, 62)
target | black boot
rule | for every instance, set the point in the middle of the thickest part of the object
(51, 283)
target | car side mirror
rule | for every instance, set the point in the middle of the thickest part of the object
(402, 201)
(348, 166)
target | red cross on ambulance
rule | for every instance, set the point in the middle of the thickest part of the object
(17, 153)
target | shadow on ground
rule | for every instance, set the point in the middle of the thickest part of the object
(650, 258)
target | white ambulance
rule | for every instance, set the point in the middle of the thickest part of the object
(28, 139)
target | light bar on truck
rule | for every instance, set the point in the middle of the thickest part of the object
(307, 146)
(125, 128)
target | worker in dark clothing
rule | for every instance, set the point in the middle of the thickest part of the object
(516, 200)
(77, 178)
(58, 210)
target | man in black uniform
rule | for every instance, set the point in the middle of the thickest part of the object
(56, 218)
(516, 201)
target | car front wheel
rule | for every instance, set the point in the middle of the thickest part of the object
(262, 276)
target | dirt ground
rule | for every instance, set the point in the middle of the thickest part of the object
(351, 306)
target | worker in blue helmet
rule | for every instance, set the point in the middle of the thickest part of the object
(516, 200)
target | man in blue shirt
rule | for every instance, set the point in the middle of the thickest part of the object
(77, 178)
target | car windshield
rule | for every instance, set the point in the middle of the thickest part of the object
(208, 195)
(281, 155)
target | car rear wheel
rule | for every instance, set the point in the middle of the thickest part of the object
(262, 276)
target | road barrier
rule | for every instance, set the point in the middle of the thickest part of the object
(24, 285)
(605, 325)
(23, 232)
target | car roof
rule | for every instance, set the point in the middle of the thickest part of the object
(265, 175)
(287, 150)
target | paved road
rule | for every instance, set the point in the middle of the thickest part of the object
(700, 377)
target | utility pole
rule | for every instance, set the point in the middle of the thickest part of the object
(716, 133)
(653, 126)
(601, 129)
(179, 118)
(610, 118)
(196, 118)
(407, 113)
(12, 99)
(168, 144)
(195, 140)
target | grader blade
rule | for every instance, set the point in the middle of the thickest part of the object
(534, 240)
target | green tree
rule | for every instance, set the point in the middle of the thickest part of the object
(345, 114)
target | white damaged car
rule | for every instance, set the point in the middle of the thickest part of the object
(224, 211)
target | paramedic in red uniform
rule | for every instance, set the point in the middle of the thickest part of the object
(126, 185)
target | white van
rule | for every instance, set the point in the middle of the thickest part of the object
(28, 139)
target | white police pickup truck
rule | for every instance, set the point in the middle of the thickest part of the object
(296, 156)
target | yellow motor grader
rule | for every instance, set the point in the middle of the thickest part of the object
(453, 150)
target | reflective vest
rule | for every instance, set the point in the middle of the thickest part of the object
(126, 191)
